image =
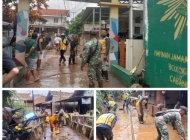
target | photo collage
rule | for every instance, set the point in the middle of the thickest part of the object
(94, 70)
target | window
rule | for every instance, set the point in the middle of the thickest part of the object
(137, 20)
(137, 30)
(55, 20)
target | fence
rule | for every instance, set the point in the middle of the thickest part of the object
(82, 124)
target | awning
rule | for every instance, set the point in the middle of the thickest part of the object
(74, 99)
(48, 102)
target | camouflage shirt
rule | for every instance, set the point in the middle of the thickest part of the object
(89, 49)
(176, 118)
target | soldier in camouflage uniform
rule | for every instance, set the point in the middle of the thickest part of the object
(72, 50)
(95, 64)
(173, 116)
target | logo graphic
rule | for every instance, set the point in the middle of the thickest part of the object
(177, 9)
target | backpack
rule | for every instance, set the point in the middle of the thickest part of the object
(162, 113)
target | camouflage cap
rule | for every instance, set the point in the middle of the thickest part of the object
(183, 108)
(92, 32)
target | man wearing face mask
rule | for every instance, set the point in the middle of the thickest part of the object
(105, 41)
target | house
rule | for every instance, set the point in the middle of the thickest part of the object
(26, 99)
(56, 21)
(38, 102)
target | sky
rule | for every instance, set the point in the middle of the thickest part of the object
(74, 7)
(44, 92)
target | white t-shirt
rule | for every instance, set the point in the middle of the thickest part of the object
(62, 111)
(57, 40)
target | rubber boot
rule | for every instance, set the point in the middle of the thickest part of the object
(102, 74)
(59, 61)
(69, 61)
(158, 138)
(106, 75)
(74, 60)
(91, 86)
(100, 84)
(142, 118)
(139, 119)
(57, 132)
(123, 107)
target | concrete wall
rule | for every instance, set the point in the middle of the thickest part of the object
(136, 54)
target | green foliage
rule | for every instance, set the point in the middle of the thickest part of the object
(9, 97)
(76, 26)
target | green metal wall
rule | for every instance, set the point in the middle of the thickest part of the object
(165, 41)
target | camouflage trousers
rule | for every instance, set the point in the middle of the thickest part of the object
(94, 73)
(161, 128)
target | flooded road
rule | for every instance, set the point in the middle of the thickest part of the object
(65, 75)
(66, 133)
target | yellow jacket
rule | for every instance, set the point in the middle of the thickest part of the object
(66, 115)
(63, 44)
(111, 104)
(105, 119)
(144, 102)
(103, 42)
(125, 97)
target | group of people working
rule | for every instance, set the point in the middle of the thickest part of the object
(106, 121)
(58, 119)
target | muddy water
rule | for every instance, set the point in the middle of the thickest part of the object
(65, 75)
(147, 131)
(122, 128)
(65, 134)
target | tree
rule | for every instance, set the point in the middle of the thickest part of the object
(76, 26)
(10, 8)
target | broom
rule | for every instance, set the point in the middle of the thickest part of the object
(136, 67)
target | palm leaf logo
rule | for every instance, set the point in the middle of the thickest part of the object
(177, 9)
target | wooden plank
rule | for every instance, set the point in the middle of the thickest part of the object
(122, 53)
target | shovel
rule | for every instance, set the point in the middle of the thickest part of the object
(136, 67)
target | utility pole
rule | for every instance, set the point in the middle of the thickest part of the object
(33, 100)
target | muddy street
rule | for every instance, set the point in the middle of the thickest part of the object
(122, 128)
(65, 75)
(66, 133)
(147, 131)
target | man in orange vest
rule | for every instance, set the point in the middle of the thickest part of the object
(54, 119)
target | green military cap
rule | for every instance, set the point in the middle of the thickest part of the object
(183, 108)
